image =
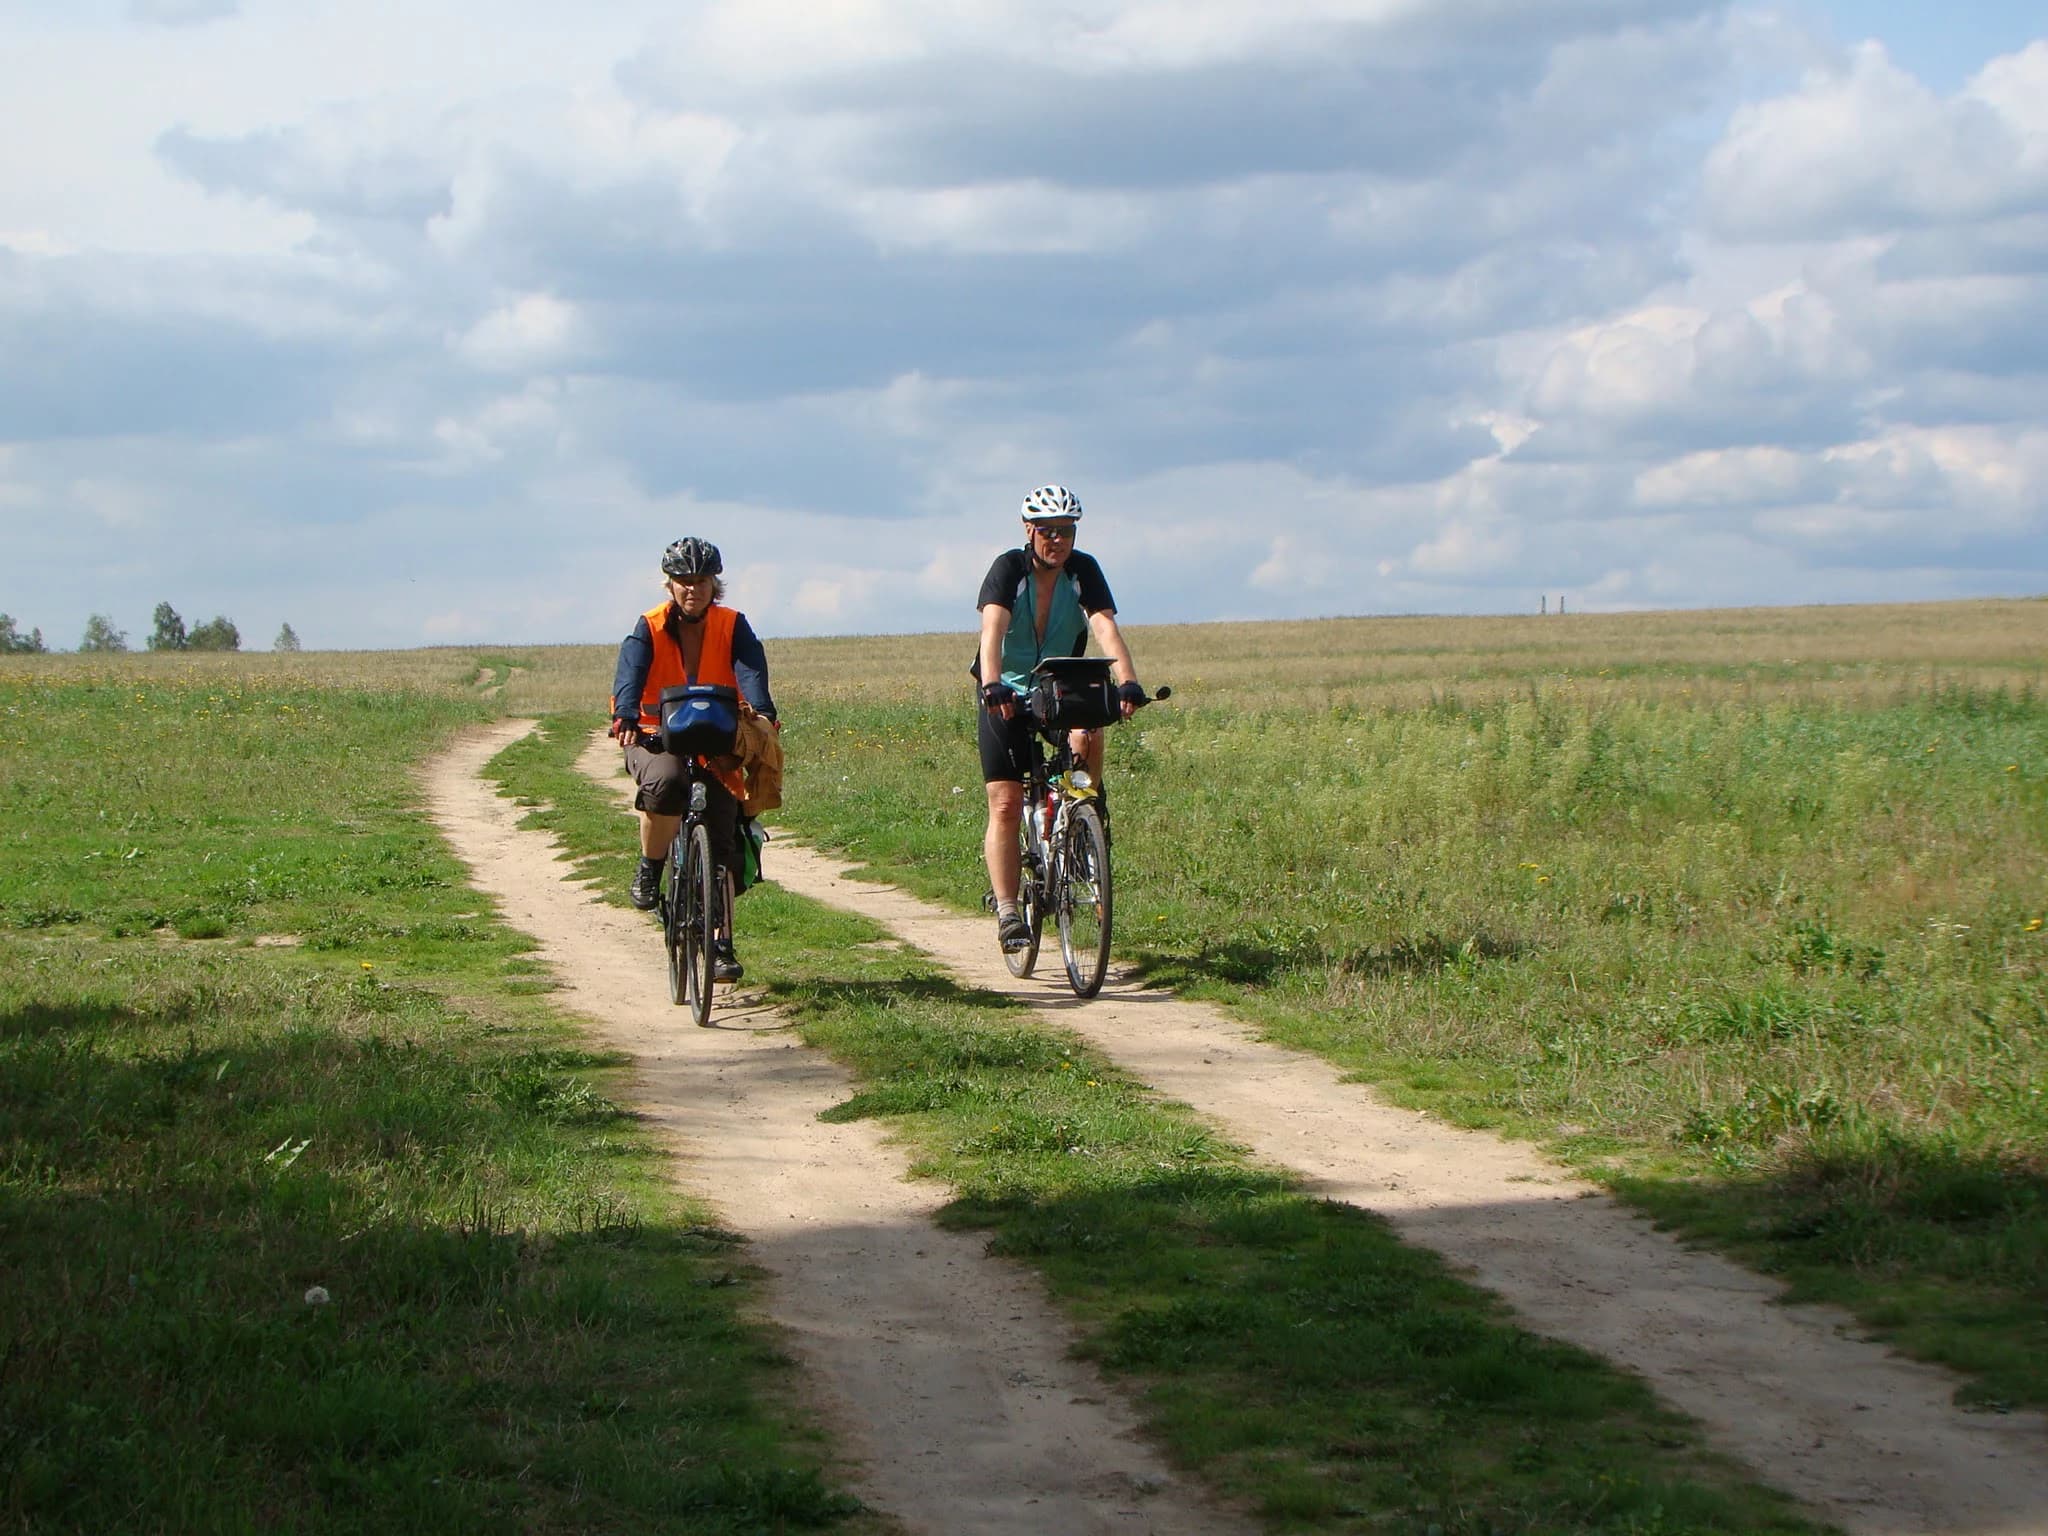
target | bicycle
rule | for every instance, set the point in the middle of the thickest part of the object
(697, 892)
(696, 901)
(1065, 871)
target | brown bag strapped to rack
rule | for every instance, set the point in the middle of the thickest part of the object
(760, 754)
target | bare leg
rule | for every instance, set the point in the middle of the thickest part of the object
(657, 833)
(999, 843)
(1087, 748)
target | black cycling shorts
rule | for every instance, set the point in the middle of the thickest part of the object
(1005, 745)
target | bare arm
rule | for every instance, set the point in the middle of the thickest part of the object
(995, 625)
(1102, 624)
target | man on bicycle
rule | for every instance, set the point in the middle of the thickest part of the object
(689, 637)
(1042, 600)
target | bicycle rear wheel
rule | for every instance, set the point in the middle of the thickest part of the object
(700, 917)
(1031, 907)
(1082, 900)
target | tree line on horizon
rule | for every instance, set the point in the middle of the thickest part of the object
(168, 633)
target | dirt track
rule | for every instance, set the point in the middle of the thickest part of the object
(945, 1371)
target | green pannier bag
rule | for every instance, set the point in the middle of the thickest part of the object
(752, 836)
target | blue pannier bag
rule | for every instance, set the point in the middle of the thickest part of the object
(700, 719)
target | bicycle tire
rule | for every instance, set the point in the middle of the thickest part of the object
(672, 923)
(1083, 900)
(700, 918)
(1031, 906)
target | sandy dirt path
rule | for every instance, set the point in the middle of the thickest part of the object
(944, 1373)
(1867, 1438)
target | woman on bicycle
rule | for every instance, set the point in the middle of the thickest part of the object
(689, 637)
(1042, 600)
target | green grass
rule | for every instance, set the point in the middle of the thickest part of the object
(1773, 969)
(1288, 1350)
(1740, 913)
(258, 1037)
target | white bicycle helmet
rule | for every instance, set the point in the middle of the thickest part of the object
(1050, 502)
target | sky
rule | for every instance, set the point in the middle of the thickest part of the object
(416, 322)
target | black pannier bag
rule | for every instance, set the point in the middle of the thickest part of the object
(1073, 693)
(700, 719)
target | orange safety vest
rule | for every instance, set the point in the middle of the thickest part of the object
(666, 670)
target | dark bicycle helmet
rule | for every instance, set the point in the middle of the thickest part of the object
(691, 557)
(1050, 503)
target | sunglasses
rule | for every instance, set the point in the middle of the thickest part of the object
(1054, 530)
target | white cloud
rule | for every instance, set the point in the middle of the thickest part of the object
(181, 13)
(501, 426)
(33, 242)
(1321, 304)
(1866, 146)
(1032, 218)
(535, 331)
(1723, 477)
(1293, 565)
(1626, 366)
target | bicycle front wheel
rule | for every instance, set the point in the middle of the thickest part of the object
(672, 923)
(699, 920)
(1031, 907)
(1082, 895)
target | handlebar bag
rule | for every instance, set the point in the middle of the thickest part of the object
(700, 719)
(1073, 693)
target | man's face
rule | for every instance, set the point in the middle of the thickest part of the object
(1052, 542)
(692, 594)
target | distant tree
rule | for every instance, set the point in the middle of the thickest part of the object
(216, 634)
(287, 640)
(100, 635)
(169, 634)
(14, 643)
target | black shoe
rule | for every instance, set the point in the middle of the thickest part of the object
(725, 964)
(1013, 932)
(646, 892)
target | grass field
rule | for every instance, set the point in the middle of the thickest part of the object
(313, 1215)
(1740, 912)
